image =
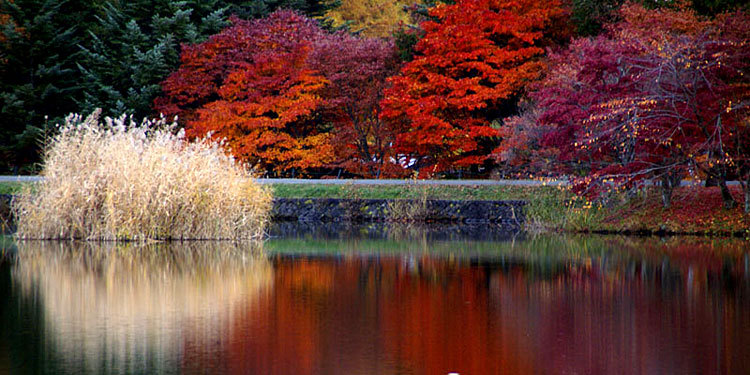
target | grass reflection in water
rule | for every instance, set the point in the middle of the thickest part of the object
(115, 307)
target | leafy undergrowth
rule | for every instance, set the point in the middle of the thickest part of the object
(695, 210)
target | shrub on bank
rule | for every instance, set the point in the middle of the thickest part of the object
(117, 180)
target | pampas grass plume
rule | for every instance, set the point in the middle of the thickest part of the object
(120, 180)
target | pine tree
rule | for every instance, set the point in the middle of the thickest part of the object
(38, 76)
(134, 46)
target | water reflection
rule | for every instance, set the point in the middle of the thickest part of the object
(431, 232)
(547, 304)
(398, 303)
(128, 308)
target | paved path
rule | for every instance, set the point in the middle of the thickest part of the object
(20, 178)
(411, 182)
(293, 181)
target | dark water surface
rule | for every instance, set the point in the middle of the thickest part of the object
(370, 300)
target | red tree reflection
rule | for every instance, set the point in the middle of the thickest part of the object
(424, 315)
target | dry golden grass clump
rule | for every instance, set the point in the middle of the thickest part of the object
(118, 180)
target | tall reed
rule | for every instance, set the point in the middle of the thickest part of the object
(119, 180)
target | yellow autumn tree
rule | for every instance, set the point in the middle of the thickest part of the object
(372, 18)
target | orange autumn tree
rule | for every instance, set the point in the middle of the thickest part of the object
(253, 86)
(473, 59)
(264, 111)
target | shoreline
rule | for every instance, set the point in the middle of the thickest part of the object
(542, 213)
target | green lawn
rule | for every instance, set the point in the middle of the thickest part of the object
(409, 191)
(11, 187)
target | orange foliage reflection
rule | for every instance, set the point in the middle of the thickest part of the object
(433, 315)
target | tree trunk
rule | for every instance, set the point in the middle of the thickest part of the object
(711, 181)
(666, 190)
(676, 179)
(726, 195)
(747, 194)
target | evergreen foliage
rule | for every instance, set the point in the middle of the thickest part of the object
(135, 44)
(38, 75)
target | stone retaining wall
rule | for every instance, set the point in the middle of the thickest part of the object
(506, 213)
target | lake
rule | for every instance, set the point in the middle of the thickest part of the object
(379, 300)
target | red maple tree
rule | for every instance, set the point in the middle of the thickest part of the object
(357, 69)
(661, 95)
(475, 55)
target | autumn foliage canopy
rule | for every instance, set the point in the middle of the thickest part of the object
(253, 86)
(286, 96)
(473, 58)
(660, 94)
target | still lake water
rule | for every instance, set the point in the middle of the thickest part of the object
(374, 300)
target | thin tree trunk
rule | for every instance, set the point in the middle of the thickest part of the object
(666, 190)
(726, 195)
(747, 194)
(676, 179)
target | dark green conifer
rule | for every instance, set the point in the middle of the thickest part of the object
(38, 73)
(134, 46)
